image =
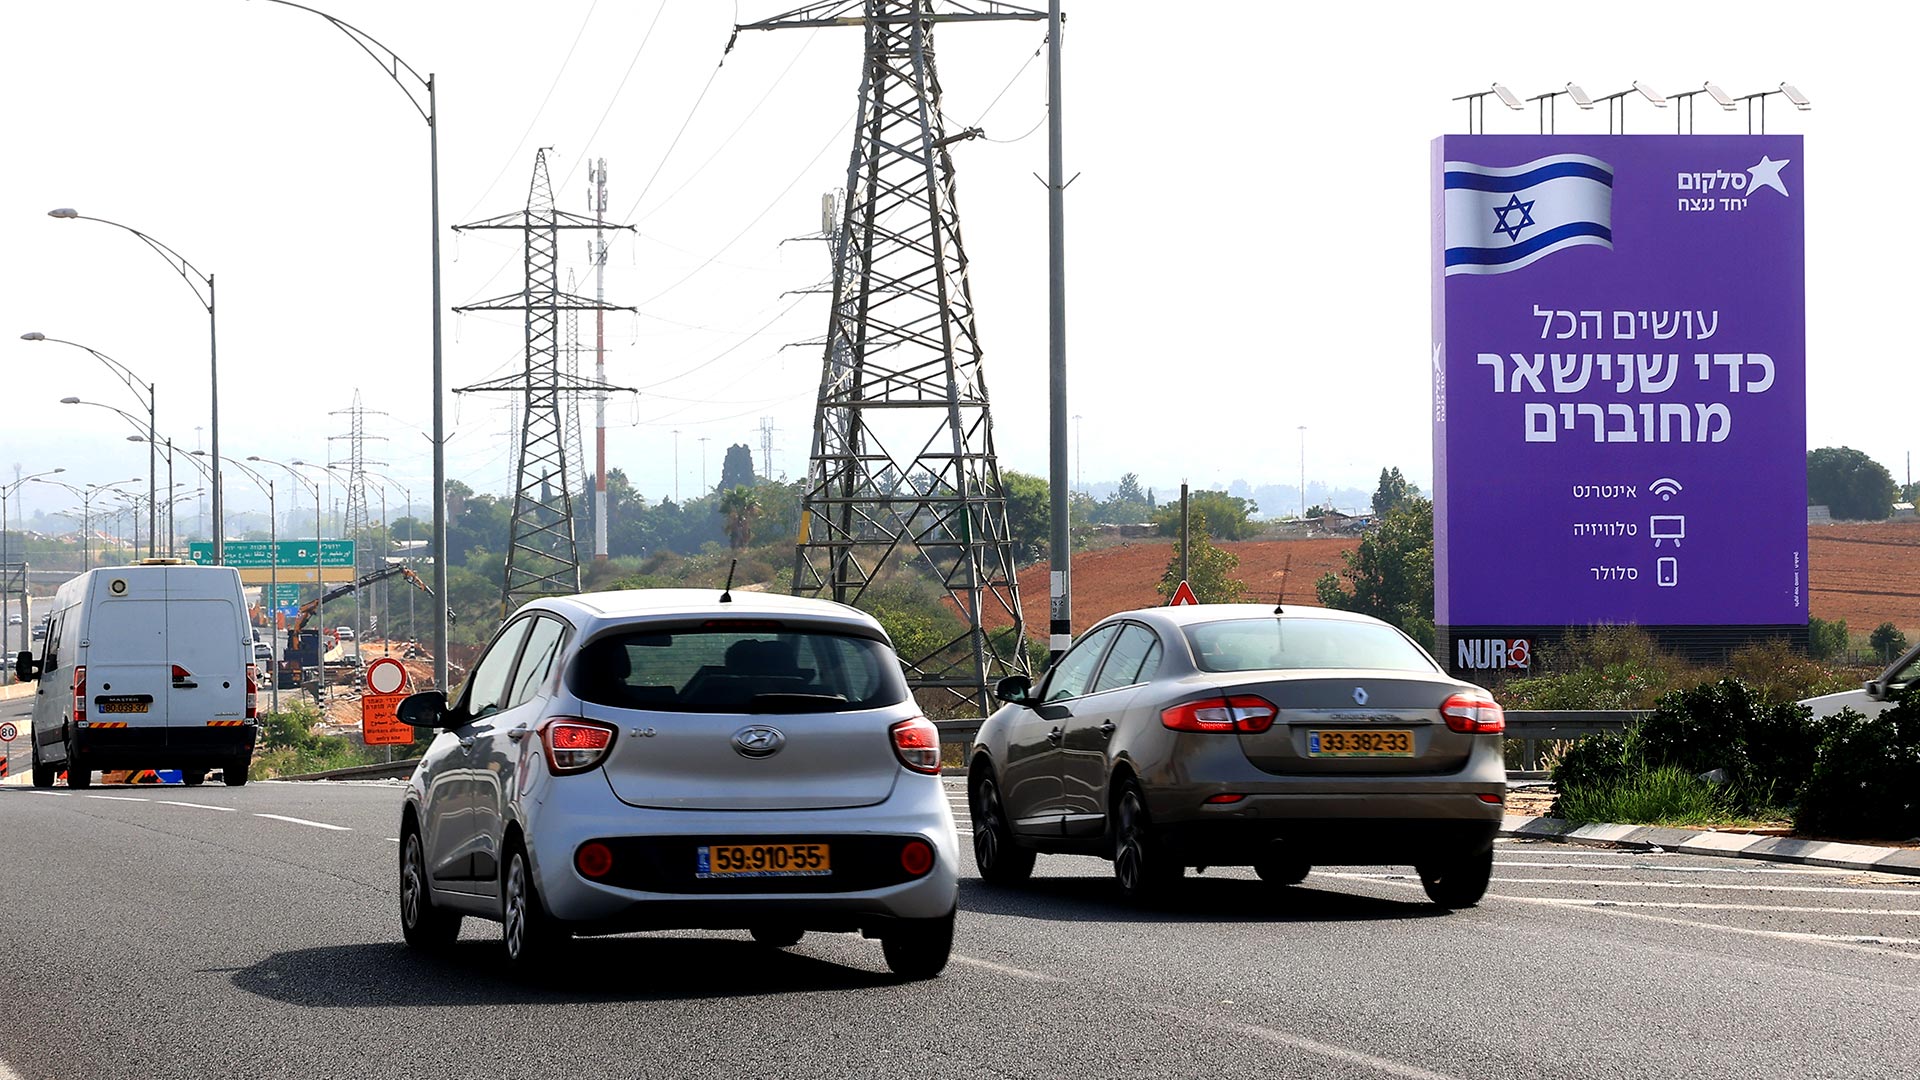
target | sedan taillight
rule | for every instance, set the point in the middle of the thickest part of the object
(1243, 713)
(1474, 713)
(916, 743)
(574, 744)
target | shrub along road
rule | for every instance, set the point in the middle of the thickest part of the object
(165, 932)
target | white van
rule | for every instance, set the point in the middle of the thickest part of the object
(145, 667)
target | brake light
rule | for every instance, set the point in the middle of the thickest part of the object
(574, 744)
(253, 690)
(180, 673)
(1243, 713)
(916, 857)
(916, 743)
(1474, 713)
(80, 693)
(594, 859)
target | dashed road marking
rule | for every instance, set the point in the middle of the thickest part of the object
(1002, 969)
(1341, 1054)
(118, 798)
(1579, 901)
(197, 805)
(1850, 890)
(304, 821)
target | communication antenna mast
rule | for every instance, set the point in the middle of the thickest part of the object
(543, 554)
(598, 174)
(766, 446)
(902, 465)
(576, 454)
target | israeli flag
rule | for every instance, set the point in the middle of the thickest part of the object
(1501, 219)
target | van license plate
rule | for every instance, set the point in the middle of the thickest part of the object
(121, 705)
(1389, 743)
(761, 861)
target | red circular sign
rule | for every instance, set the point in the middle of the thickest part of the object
(8, 732)
(386, 676)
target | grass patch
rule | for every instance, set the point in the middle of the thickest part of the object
(1667, 795)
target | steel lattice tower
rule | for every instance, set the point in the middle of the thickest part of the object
(902, 465)
(543, 553)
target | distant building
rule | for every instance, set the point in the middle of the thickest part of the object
(1819, 515)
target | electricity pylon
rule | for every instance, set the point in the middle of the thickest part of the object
(543, 553)
(902, 466)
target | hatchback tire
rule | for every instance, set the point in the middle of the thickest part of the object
(531, 937)
(918, 948)
(424, 925)
(1142, 864)
(999, 859)
(778, 937)
(1459, 881)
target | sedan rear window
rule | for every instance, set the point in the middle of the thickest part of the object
(721, 669)
(1269, 644)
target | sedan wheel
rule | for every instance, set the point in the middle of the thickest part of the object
(530, 937)
(1275, 868)
(1458, 882)
(1140, 860)
(421, 923)
(1000, 861)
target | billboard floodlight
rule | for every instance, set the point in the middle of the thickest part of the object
(1549, 107)
(1659, 100)
(1508, 98)
(1799, 99)
(1579, 96)
(1479, 98)
(1724, 99)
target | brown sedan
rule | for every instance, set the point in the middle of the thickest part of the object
(1241, 735)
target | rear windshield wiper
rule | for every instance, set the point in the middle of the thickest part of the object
(793, 702)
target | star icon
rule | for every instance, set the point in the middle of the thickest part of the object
(1524, 209)
(1767, 174)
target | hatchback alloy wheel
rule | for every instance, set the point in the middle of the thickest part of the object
(530, 937)
(421, 923)
(994, 852)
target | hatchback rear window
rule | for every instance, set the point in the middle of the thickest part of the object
(708, 669)
(1269, 644)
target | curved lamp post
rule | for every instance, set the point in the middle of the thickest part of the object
(6, 631)
(190, 274)
(145, 394)
(85, 494)
(273, 565)
(417, 87)
(318, 546)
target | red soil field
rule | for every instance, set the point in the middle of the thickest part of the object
(1866, 574)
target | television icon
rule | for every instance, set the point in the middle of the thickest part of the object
(1667, 527)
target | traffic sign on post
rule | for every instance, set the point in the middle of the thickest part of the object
(380, 723)
(386, 676)
(1183, 595)
(260, 555)
(8, 732)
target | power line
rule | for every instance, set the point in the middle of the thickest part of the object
(537, 113)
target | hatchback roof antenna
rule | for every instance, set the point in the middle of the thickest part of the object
(1280, 605)
(726, 594)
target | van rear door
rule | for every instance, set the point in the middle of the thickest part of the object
(208, 648)
(126, 650)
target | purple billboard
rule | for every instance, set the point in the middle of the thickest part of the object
(1619, 381)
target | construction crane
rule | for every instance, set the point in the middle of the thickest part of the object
(303, 645)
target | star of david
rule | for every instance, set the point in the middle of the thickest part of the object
(1525, 210)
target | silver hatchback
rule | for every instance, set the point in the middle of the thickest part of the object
(678, 759)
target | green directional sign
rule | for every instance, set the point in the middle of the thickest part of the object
(284, 595)
(259, 555)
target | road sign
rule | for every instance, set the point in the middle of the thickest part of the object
(380, 721)
(387, 676)
(8, 732)
(1183, 595)
(260, 555)
(283, 595)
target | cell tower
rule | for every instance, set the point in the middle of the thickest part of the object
(543, 554)
(356, 440)
(902, 466)
(570, 413)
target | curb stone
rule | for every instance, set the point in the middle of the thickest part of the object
(1833, 853)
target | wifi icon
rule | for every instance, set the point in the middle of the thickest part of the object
(1666, 487)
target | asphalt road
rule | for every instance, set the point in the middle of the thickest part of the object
(168, 932)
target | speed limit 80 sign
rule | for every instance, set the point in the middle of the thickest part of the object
(8, 732)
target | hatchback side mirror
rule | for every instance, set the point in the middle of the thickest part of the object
(426, 709)
(1015, 690)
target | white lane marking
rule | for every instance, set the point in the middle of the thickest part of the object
(197, 805)
(119, 798)
(393, 839)
(1852, 890)
(6, 1073)
(304, 821)
(1337, 1053)
(1765, 868)
(1579, 901)
(37, 791)
(1002, 969)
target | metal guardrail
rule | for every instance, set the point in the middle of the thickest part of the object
(379, 770)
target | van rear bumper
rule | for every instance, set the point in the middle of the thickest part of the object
(163, 747)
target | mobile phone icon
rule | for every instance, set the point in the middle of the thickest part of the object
(1666, 572)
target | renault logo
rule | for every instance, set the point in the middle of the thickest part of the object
(758, 741)
(1359, 695)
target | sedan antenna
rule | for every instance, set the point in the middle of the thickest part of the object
(726, 594)
(1280, 605)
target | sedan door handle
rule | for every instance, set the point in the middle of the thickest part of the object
(466, 742)
(1054, 736)
(1106, 729)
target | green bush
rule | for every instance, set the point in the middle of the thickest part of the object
(1594, 761)
(1777, 672)
(1666, 794)
(1764, 747)
(1866, 777)
(1827, 640)
(1887, 642)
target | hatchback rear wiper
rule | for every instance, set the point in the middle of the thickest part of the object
(792, 702)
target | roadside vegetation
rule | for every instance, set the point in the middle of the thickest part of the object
(289, 746)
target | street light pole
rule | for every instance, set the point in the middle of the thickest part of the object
(133, 383)
(6, 629)
(391, 63)
(317, 569)
(273, 565)
(194, 279)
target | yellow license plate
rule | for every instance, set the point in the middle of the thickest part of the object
(762, 861)
(123, 706)
(1372, 743)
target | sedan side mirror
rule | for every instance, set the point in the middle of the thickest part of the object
(426, 709)
(1876, 690)
(24, 667)
(1015, 690)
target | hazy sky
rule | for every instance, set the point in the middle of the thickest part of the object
(1247, 236)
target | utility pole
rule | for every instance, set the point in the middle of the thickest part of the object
(703, 463)
(598, 174)
(577, 466)
(543, 554)
(1303, 472)
(676, 466)
(766, 446)
(903, 467)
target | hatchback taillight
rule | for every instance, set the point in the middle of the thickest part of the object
(574, 744)
(1242, 713)
(253, 690)
(80, 693)
(916, 743)
(1474, 713)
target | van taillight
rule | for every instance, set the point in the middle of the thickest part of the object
(80, 694)
(253, 690)
(1243, 713)
(1474, 713)
(575, 744)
